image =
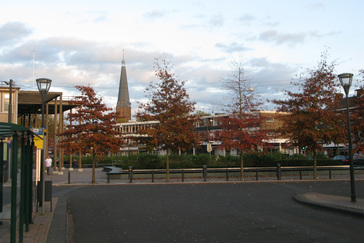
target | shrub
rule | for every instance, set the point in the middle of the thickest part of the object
(150, 161)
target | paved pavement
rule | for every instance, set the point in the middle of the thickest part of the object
(52, 226)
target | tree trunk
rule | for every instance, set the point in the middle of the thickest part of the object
(241, 165)
(71, 168)
(167, 164)
(314, 165)
(93, 168)
(79, 161)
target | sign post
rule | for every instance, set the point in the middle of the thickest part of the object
(39, 143)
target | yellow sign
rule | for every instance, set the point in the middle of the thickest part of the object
(38, 142)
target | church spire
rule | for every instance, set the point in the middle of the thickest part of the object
(123, 105)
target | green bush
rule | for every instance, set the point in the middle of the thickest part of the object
(305, 162)
(150, 161)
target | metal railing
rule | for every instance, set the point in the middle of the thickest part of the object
(295, 171)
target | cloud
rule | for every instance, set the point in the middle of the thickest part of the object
(216, 21)
(70, 61)
(155, 14)
(101, 17)
(13, 32)
(50, 50)
(322, 35)
(271, 77)
(232, 47)
(293, 38)
(246, 18)
(316, 6)
(282, 38)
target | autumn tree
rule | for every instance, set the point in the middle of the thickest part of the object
(241, 129)
(358, 117)
(313, 119)
(90, 127)
(170, 105)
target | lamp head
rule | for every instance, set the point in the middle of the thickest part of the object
(346, 79)
(44, 84)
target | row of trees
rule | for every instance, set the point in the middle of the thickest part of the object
(313, 118)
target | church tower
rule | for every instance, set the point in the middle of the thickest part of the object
(123, 106)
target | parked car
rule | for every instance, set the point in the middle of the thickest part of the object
(343, 158)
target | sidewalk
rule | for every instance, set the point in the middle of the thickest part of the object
(53, 226)
(331, 202)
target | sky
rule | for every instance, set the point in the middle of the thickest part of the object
(81, 42)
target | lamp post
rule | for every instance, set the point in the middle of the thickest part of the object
(346, 80)
(10, 115)
(10, 110)
(44, 85)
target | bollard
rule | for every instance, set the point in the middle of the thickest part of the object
(130, 174)
(152, 175)
(227, 175)
(204, 172)
(256, 175)
(108, 177)
(279, 172)
(329, 172)
(69, 177)
(300, 173)
(183, 175)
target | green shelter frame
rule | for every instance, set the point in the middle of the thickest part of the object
(22, 138)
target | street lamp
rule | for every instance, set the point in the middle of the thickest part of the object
(346, 80)
(44, 85)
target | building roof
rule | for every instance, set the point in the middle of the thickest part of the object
(31, 102)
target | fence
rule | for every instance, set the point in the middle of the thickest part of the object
(202, 173)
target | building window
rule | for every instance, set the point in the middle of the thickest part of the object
(4, 103)
(269, 119)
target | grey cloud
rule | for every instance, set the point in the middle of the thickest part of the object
(259, 62)
(13, 32)
(69, 61)
(274, 76)
(217, 21)
(246, 18)
(279, 38)
(320, 35)
(154, 14)
(231, 47)
(50, 50)
(24, 53)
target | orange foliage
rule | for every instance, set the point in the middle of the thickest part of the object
(169, 104)
(90, 128)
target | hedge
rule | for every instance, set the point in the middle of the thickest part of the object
(150, 161)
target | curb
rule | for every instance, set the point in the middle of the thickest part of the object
(333, 203)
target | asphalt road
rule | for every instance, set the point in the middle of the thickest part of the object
(244, 212)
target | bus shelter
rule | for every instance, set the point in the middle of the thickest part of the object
(21, 141)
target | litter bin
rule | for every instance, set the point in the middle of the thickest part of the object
(47, 193)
